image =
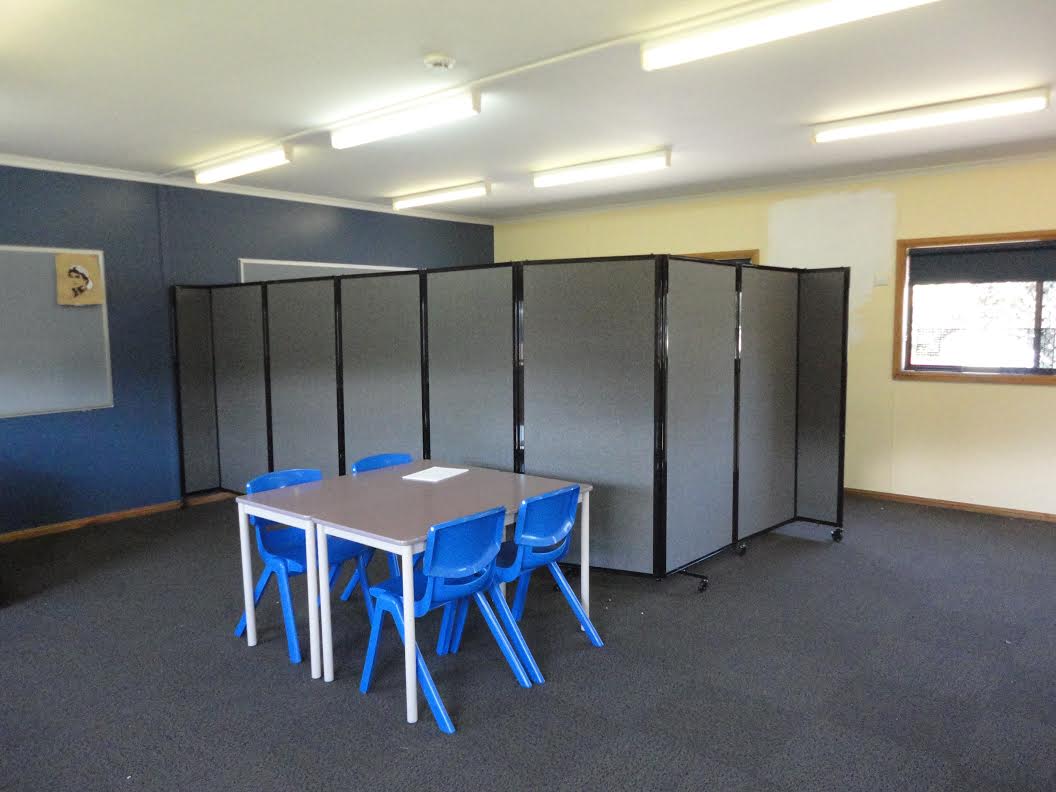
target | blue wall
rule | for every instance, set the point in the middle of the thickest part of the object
(206, 233)
(68, 465)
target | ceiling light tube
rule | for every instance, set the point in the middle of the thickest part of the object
(393, 123)
(603, 169)
(240, 166)
(936, 115)
(761, 27)
(445, 195)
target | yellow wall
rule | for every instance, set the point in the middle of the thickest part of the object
(977, 443)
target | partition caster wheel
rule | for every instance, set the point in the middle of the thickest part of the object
(703, 585)
(742, 548)
(837, 534)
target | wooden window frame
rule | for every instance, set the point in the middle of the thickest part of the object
(727, 255)
(902, 296)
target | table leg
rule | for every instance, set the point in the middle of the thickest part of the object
(311, 572)
(247, 576)
(409, 641)
(584, 553)
(324, 604)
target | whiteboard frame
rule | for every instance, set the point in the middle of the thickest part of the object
(323, 264)
(106, 330)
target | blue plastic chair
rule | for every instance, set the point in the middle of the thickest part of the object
(541, 538)
(459, 566)
(283, 552)
(377, 462)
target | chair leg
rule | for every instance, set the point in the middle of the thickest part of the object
(458, 626)
(262, 583)
(334, 569)
(372, 650)
(364, 582)
(347, 593)
(425, 681)
(292, 644)
(443, 641)
(521, 595)
(574, 603)
(516, 638)
(501, 639)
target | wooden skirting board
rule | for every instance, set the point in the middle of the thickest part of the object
(124, 514)
(945, 504)
(208, 497)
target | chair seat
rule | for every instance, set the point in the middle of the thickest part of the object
(392, 589)
(506, 570)
(288, 544)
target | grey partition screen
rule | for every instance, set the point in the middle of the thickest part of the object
(704, 401)
(471, 366)
(702, 343)
(242, 424)
(767, 421)
(822, 382)
(303, 375)
(197, 397)
(588, 395)
(380, 337)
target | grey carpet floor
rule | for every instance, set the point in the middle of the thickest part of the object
(919, 654)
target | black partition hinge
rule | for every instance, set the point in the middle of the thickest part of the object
(518, 368)
(266, 350)
(660, 419)
(734, 531)
(423, 348)
(339, 368)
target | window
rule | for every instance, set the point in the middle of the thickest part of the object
(977, 308)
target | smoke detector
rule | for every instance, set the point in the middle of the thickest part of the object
(437, 61)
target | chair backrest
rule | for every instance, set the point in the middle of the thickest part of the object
(546, 520)
(544, 526)
(379, 461)
(277, 480)
(460, 556)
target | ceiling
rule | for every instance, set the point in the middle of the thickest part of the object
(159, 88)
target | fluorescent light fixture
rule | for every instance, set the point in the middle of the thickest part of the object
(475, 190)
(240, 166)
(761, 27)
(603, 169)
(959, 112)
(423, 115)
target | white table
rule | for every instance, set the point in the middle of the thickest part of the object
(381, 510)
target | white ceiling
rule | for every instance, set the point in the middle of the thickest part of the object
(160, 87)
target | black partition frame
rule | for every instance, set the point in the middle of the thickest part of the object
(517, 361)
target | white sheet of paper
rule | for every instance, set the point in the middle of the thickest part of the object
(435, 474)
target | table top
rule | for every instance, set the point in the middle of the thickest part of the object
(381, 503)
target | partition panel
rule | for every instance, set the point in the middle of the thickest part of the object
(382, 365)
(822, 319)
(767, 459)
(197, 397)
(303, 375)
(238, 348)
(588, 395)
(471, 367)
(702, 346)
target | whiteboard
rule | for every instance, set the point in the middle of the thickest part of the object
(53, 358)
